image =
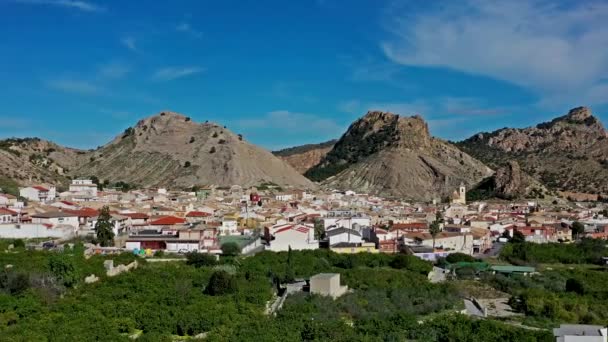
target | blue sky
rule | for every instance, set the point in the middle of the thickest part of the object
(285, 73)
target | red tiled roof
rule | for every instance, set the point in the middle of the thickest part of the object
(298, 228)
(167, 220)
(415, 225)
(4, 211)
(197, 214)
(136, 216)
(68, 203)
(40, 188)
(84, 212)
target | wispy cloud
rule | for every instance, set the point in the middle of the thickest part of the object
(289, 91)
(84, 6)
(115, 70)
(116, 114)
(74, 86)
(185, 27)
(293, 122)
(172, 73)
(129, 42)
(13, 122)
(350, 106)
(548, 48)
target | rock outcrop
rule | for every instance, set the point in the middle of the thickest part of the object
(387, 154)
(30, 161)
(303, 158)
(567, 153)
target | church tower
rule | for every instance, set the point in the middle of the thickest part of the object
(462, 192)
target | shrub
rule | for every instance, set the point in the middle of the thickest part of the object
(212, 150)
(221, 283)
(231, 249)
(459, 257)
(18, 243)
(187, 164)
(200, 259)
(192, 140)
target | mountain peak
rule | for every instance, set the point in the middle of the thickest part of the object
(579, 114)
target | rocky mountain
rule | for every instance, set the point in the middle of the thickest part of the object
(33, 161)
(392, 155)
(171, 150)
(304, 157)
(508, 182)
(568, 153)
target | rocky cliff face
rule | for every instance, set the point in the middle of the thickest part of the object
(303, 158)
(386, 154)
(171, 150)
(32, 161)
(567, 153)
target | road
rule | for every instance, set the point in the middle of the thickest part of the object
(494, 251)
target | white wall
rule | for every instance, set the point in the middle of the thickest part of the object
(31, 231)
(344, 237)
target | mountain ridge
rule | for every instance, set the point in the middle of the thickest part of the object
(569, 152)
(385, 153)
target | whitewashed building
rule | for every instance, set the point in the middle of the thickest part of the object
(38, 193)
(295, 236)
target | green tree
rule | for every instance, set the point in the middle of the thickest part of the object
(18, 243)
(200, 259)
(289, 272)
(434, 230)
(577, 229)
(319, 230)
(518, 237)
(231, 249)
(64, 269)
(221, 283)
(103, 228)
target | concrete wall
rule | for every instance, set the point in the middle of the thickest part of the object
(31, 231)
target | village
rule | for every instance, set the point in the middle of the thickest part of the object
(270, 218)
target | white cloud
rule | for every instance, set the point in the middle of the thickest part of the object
(84, 6)
(114, 70)
(129, 43)
(74, 86)
(350, 106)
(554, 50)
(188, 29)
(172, 73)
(292, 122)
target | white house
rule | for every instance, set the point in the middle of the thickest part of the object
(83, 187)
(8, 216)
(457, 242)
(339, 235)
(38, 193)
(284, 197)
(345, 219)
(580, 333)
(56, 218)
(229, 227)
(295, 236)
(7, 199)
